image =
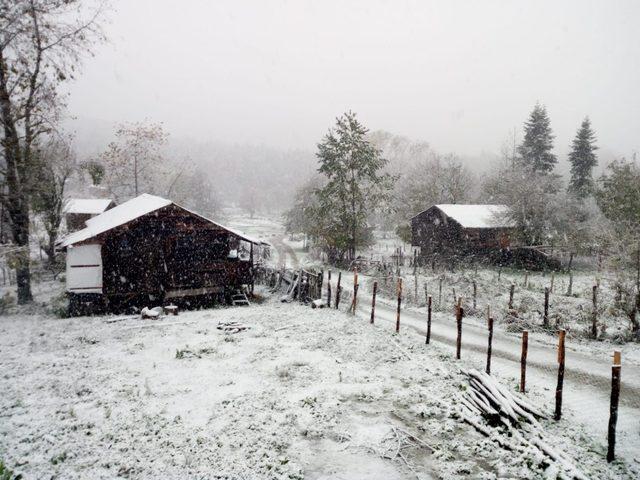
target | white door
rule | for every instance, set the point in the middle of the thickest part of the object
(84, 269)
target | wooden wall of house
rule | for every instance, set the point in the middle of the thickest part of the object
(435, 233)
(76, 221)
(170, 251)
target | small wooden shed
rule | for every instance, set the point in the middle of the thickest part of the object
(149, 251)
(454, 229)
(78, 210)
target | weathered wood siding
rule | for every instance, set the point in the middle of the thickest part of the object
(171, 250)
(436, 233)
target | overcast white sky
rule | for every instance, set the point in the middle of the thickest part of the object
(458, 74)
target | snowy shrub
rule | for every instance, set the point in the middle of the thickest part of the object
(6, 302)
(59, 306)
(6, 474)
(186, 352)
(61, 457)
(309, 401)
(284, 372)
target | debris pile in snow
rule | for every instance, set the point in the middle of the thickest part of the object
(151, 313)
(319, 303)
(499, 406)
(231, 326)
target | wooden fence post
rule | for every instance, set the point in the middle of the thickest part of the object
(526, 278)
(440, 293)
(428, 320)
(523, 360)
(499, 272)
(320, 279)
(553, 276)
(426, 292)
(373, 301)
(459, 325)
(570, 261)
(545, 316)
(594, 314)
(561, 337)
(613, 412)
(617, 358)
(489, 346)
(511, 292)
(329, 290)
(338, 290)
(399, 303)
(300, 286)
(475, 291)
(355, 291)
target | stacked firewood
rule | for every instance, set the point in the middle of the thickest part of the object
(495, 402)
(487, 403)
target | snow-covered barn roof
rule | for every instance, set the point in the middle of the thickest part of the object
(130, 210)
(477, 216)
(92, 206)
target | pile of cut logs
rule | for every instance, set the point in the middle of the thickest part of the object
(486, 399)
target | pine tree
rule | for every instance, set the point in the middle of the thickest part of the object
(535, 150)
(355, 186)
(583, 159)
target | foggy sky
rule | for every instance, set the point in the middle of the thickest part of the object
(457, 74)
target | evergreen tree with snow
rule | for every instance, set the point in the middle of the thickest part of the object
(583, 158)
(355, 186)
(535, 152)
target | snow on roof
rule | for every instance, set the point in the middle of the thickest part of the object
(478, 216)
(123, 213)
(91, 206)
(128, 211)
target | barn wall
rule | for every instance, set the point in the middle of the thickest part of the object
(76, 221)
(435, 233)
(171, 251)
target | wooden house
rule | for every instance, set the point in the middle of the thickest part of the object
(149, 251)
(455, 230)
(78, 210)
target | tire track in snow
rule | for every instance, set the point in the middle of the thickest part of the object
(285, 253)
(470, 337)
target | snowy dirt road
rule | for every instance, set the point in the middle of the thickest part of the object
(587, 372)
(286, 255)
(587, 383)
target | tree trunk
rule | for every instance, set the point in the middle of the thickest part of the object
(17, 201)
(135, 175)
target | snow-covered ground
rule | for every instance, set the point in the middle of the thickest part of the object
(301, 393)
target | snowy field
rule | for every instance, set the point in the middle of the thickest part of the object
(301, 393)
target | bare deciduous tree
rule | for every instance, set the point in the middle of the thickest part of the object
(55, 162)
(135, 163)
(41, 44)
